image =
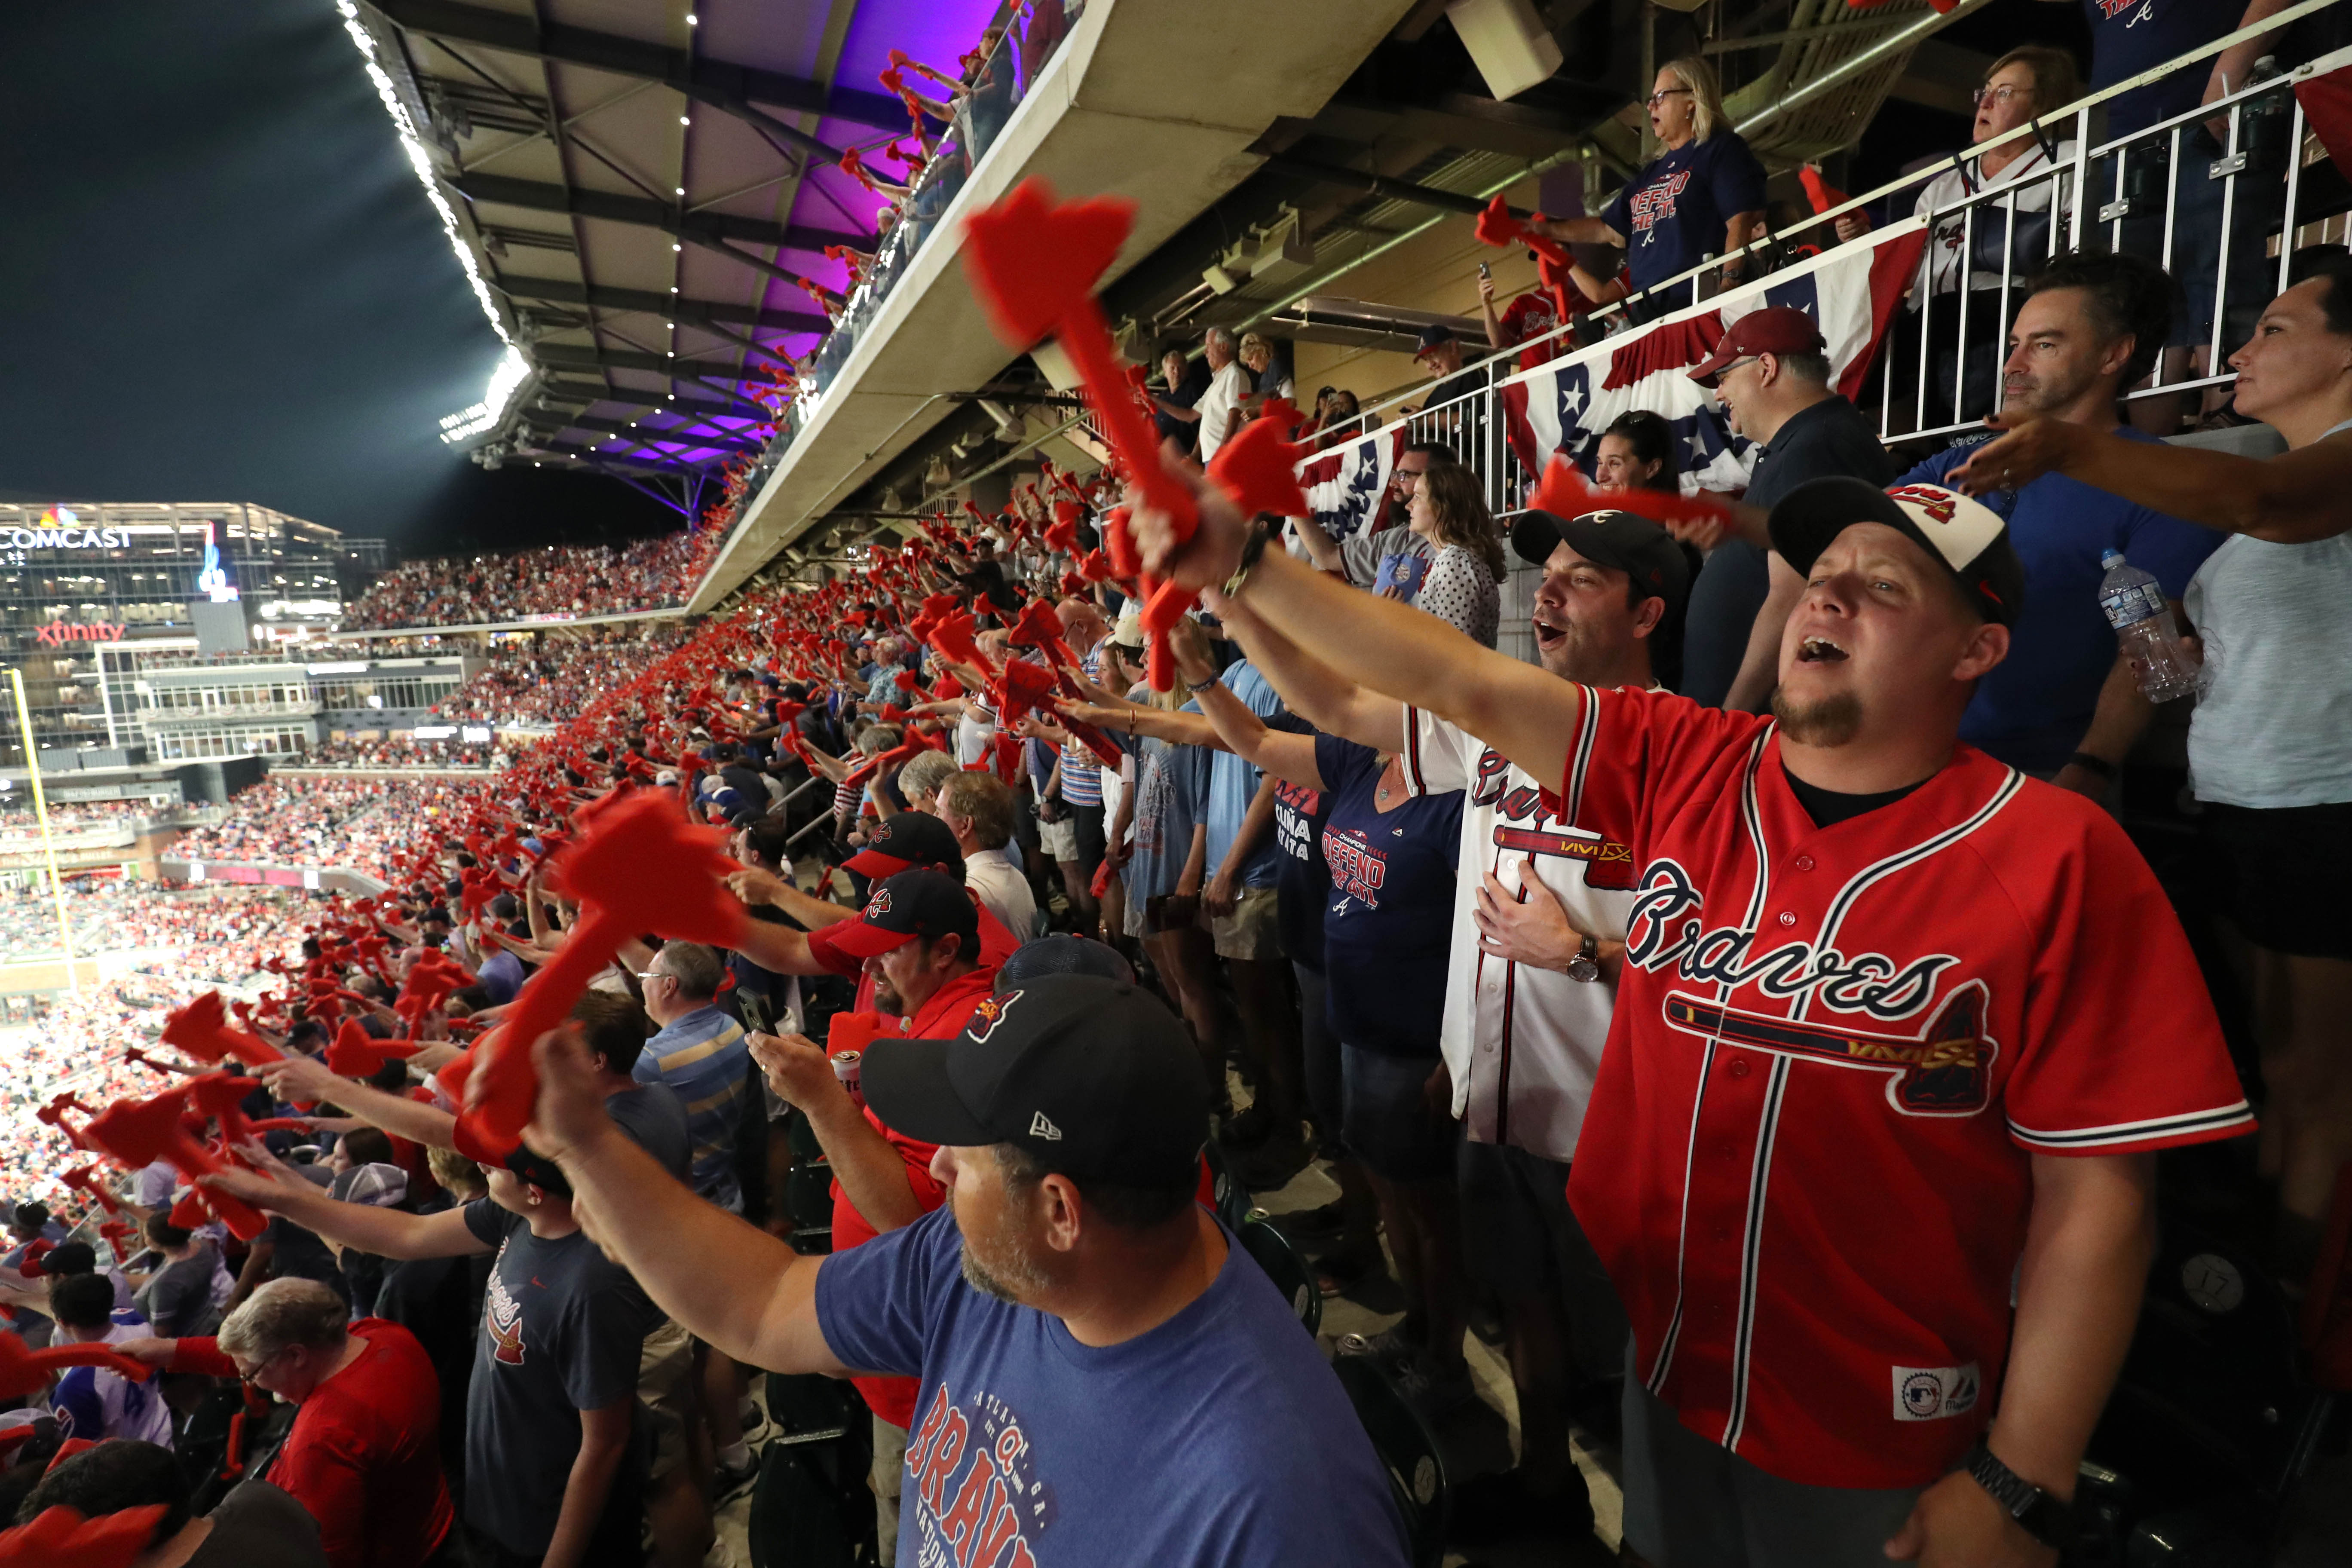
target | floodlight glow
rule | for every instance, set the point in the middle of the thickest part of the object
(483, 417)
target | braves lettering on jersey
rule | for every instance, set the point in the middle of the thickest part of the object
(1522, 1044)
(1835, 1051)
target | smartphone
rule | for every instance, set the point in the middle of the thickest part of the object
(755, 1014)
(1486, 272)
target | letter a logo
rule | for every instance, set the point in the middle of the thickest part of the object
(1041, 1128)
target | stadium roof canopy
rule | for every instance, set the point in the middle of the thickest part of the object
(635, 185)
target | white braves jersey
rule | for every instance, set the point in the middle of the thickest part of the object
(1522, 1044)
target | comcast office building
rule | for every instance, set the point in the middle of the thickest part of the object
(86, 586)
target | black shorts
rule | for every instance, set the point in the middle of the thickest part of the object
(1088, 822)
(2281, 875)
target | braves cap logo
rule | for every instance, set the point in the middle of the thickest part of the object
(1935, 501)
(879, 905)
(988, 1012)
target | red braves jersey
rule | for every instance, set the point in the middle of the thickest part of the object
(1807, 1161)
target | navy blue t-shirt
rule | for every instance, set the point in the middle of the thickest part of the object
(1221, 1436)
(2031, 709)
(2128, 36)
(1388, 920)
(1673, 213)
(1302, 879)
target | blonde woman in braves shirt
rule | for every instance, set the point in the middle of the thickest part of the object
(1899, 1030)
(1538, 939)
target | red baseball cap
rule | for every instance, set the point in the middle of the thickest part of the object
(907, 839)
(916, 903)
(1774, 330)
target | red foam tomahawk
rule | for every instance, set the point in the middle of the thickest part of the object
(1033, 263)
(62, 1538)
(22, 1371)
(1563, 493)
(201, 1029)
(142, 1131)
(1818, 192)
(635, 867)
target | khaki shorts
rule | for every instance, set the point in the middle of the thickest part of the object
(1251, 932)
(1060, 839)
(666, 1388)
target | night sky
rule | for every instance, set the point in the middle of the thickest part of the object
(221, 282)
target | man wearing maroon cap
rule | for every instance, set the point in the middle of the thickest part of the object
(1771, 374)
(919, 941)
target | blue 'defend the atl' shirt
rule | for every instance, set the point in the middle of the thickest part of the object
(1387, 922)
(1219, 1437)
(1675, 213)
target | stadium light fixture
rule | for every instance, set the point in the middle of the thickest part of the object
(686, 119)
(414, 146)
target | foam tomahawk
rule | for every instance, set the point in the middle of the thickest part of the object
(635, 867)
(1033, 263)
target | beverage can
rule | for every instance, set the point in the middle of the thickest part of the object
(845, 1068)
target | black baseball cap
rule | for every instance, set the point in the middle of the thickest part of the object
(1969, 538)
(1434, 335)
(921, 902)
(1062, 953)
(907, 839)
(1090, 1078)
(1625, 541)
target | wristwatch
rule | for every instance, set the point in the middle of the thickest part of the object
(2045, 1517)
(1585, 965)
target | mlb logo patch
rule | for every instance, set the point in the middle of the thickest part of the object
(1933, 1393)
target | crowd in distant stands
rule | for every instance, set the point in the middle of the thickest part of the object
(402, 750)
(548, 685)
(16, 822)
(553, 581)
(325, 822)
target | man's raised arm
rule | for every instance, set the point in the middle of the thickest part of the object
(1392, 647)
(759, 1307)
(1310, 687)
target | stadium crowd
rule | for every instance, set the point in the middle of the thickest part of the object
(546, 685)
(295, 820)
(401, 750)
(553, 582)
(1757, 1016)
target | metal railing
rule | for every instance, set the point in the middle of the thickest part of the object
(2147, 191)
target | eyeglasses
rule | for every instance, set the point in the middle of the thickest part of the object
(2001, 94)
(649, 975)
(253, 1379)
(1664, 93)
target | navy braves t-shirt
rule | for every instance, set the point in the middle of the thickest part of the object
(1302, 879)
(563, 1327)
(2128, 36)
(1389, 919)
(1221, 1436)
(1673, 213)
(2031, 709)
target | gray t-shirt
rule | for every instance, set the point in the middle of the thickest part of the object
(2273, 722)
(180, 1299)
(563, 1326)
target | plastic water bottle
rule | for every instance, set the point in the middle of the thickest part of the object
(2136, 607)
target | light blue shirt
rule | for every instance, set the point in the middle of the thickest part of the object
(1232, 785)
(705, 1061)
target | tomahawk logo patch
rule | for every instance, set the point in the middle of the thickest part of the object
(988, 1012)
(879, 905)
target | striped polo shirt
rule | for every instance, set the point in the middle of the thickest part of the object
(1081, 769)
(705, 1061)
